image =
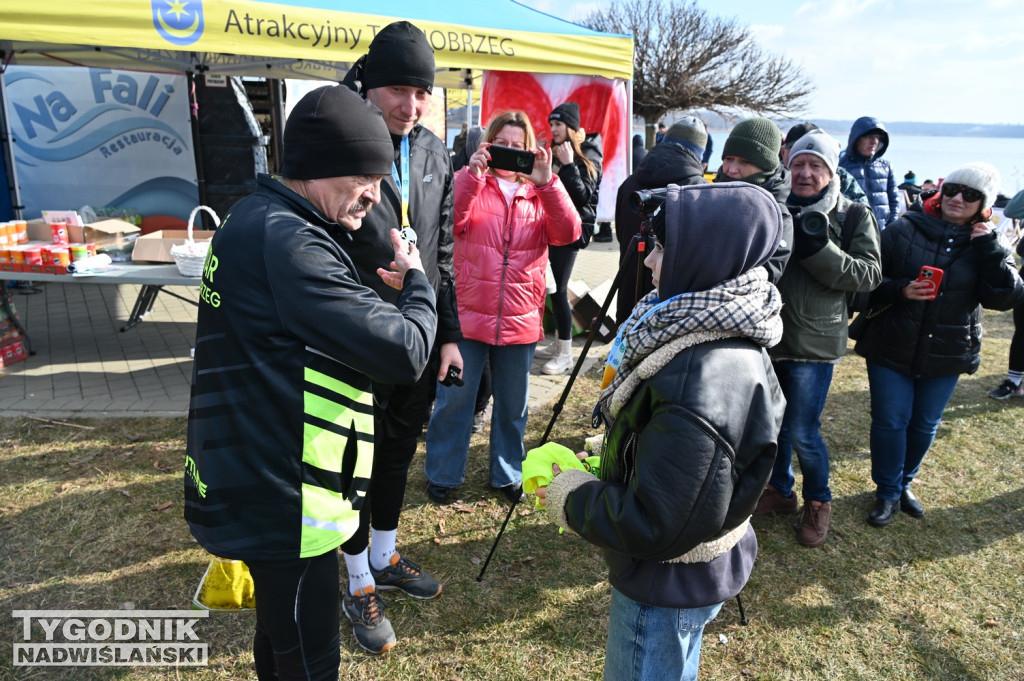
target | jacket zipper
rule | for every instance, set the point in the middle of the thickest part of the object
(504, 269)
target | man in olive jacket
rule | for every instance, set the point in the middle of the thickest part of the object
(814, 317)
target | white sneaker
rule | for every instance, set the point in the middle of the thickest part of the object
(561, 362)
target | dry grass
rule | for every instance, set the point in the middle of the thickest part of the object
(85, 524)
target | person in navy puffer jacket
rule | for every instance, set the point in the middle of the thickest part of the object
(863, 159)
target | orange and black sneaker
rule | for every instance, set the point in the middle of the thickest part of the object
(370, 626)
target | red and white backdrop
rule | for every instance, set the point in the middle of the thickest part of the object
(603, 108)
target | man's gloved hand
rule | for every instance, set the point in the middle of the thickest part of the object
(810, 234)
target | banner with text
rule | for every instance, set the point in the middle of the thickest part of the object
(101, 138)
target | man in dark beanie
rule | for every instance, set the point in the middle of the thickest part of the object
(397, 74)
(676, 160)
(289, 342)
(751, 154)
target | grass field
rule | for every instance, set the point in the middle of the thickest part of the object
(91, 518)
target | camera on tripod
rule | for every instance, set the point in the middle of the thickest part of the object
(648, 201)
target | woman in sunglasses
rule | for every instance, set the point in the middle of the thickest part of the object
(923, 336)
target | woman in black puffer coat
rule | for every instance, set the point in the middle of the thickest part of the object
(923, 339)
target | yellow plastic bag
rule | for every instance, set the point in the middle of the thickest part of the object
(226, 586)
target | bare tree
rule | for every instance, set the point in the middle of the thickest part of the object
(687, 60)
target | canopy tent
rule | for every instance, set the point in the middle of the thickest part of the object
(315, 39)
(308, 39)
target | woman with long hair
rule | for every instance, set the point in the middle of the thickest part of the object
(920, 337)
(581, 177)
(504, 222)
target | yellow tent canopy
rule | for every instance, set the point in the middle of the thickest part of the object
(315, 39)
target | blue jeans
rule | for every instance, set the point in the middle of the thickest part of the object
(648, 643)
(905, 415)
(805, 385)
(451, 424)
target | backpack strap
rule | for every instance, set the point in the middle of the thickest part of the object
(855, 211)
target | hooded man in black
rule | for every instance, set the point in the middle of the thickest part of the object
(675, 160)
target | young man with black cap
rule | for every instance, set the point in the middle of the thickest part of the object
(397, 75)
(280, 427)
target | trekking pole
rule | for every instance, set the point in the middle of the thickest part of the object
(640, 244)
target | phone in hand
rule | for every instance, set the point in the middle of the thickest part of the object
(932, 275)
(507, 158)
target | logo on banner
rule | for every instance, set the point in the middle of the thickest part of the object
(179, 21)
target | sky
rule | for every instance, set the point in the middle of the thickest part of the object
(945, 61)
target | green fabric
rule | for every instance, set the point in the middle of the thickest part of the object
(537, 467)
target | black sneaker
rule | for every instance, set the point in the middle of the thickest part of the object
(1005, 390)
(370, 626)
(407, 577)
(441, 495)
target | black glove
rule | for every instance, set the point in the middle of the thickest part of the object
(810, 235)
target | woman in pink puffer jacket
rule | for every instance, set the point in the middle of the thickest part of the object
(504, 222)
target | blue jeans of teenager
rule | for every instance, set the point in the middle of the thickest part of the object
(805, 385)
(649, 643)
(451, 424)
(905, 415)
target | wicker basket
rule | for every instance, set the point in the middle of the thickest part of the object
(190, 256)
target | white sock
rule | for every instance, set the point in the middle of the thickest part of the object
(1015, 377)
(382, 547)
(358, 567)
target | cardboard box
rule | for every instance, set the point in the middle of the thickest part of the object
(105, 233)
(156, 246)
(588, 310)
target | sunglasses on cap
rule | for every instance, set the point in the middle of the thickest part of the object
(949, 190)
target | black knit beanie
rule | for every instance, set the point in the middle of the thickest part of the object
(568, 113)
(756, 140)
(333, 132)
(399, 55)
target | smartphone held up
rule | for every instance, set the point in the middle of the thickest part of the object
(507, 158)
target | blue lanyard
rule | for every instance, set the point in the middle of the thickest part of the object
(401, 176)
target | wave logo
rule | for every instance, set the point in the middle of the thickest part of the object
(179, 21)
(55, 124)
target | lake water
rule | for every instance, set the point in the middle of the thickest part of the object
(935, 157)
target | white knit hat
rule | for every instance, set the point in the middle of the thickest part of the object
(978, 175)
(820, 144)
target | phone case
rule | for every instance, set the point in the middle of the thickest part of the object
(507, 158)
(932, 275)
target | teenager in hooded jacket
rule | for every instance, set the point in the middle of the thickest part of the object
(692, 414)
